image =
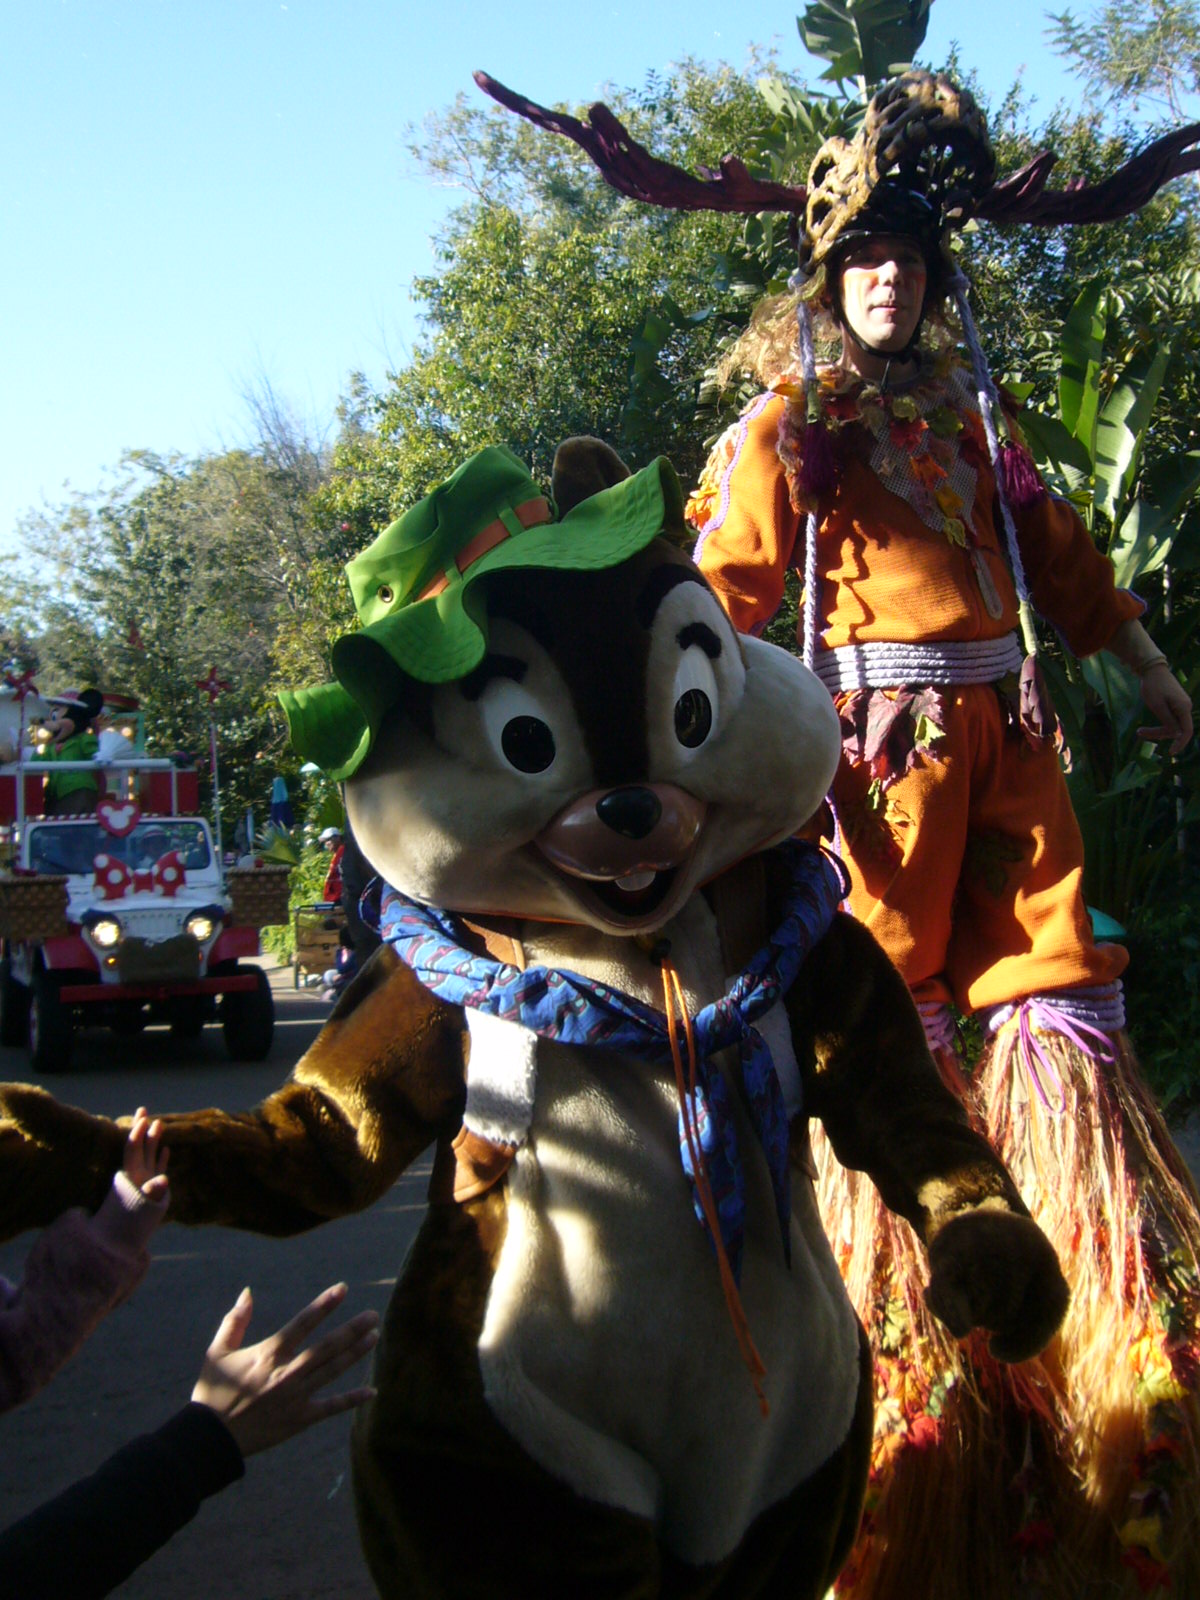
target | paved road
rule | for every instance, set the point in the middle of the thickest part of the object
(287, 1530)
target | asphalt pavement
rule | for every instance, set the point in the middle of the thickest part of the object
(287, 1529)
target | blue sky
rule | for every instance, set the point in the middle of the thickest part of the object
(201, 194)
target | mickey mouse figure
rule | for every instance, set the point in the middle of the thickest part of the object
(72, 794)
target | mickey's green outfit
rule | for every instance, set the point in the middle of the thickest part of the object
(72, 793)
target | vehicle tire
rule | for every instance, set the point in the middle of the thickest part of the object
(50, 1026)
(14, 1006)
(248, 1020)
(188, 1015)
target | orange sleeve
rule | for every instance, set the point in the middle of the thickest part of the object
(746, 522)
(1070, 583)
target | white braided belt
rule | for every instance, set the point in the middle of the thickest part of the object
(880, 665)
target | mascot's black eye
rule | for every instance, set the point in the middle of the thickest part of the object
(693, 718)
(528, 744)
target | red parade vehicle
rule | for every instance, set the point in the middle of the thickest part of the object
(125, 915)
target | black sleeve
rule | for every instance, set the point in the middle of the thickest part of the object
(357, 873)
(90, 1538)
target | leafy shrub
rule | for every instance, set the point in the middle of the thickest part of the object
(305, 886)
(1162, 994)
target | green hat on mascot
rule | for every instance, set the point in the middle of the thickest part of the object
(419, 597)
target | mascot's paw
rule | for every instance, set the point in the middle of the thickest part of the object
(997, 1270)
(51, 1156)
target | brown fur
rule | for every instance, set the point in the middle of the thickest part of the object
(383, 1079)
(582, 467)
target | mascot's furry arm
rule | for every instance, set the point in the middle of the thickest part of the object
(382, 1080)
(886, 1112)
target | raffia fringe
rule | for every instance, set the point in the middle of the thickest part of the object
(996, 1483)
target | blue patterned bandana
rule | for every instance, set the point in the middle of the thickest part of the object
(566, 1006)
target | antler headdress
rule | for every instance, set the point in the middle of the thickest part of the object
(906, 122)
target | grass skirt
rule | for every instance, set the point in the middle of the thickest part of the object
(1077, 1474)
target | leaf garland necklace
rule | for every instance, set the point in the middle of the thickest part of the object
(927, 445)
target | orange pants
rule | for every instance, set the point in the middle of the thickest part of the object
(971, 875)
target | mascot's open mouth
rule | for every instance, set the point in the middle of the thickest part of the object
(622, 849)
(634, 896)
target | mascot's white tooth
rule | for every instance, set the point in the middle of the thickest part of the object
(634, 881)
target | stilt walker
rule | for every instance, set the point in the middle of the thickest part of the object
(895, 479)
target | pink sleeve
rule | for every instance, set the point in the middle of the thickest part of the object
(76, 1272)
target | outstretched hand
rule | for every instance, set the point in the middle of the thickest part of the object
(145, 1159)
(1169, 703)
(269, 1392)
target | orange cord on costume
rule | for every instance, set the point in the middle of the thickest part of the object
(673, 997)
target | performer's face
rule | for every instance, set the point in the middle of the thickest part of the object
(883, 291)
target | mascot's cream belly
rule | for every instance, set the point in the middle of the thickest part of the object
(606, 1350)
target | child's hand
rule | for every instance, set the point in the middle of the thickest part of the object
(272, 1390)
(145, 1163)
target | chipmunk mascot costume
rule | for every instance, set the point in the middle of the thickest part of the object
(613, 988)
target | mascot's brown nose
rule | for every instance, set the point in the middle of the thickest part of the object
(610, 833)
(633, 812)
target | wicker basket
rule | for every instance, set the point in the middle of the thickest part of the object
(33, 907)
(260, 895)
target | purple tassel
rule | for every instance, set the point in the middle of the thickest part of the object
(817, 472)
(1037, 715)
(1023, 489)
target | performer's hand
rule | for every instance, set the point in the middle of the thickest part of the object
(269, 1392)
(1170, 704)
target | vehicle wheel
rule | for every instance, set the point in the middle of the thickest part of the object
(50, 1025)
(188, 1015)
(14, 1006)
(248, 1020)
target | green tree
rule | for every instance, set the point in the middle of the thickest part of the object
(23, 597)
(1096, 445)
(865, 41)
(1130, 56)
(547, 284)
(178, 568)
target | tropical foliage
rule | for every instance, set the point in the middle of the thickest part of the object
(1098, 446)
(556, 306)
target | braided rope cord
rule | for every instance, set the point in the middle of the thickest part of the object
(808, 368)
(989, 405)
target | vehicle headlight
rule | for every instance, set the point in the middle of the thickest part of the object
(200, 925)
(106, 931)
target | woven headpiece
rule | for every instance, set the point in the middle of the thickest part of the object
(921, 134)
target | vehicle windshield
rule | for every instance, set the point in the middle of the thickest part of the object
(72, 847)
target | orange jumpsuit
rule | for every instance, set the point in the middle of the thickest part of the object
(967, 866)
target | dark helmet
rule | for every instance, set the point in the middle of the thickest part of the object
(898, 211)
(915, 168)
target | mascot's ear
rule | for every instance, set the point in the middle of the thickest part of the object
(582, 467)
(93, 702)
